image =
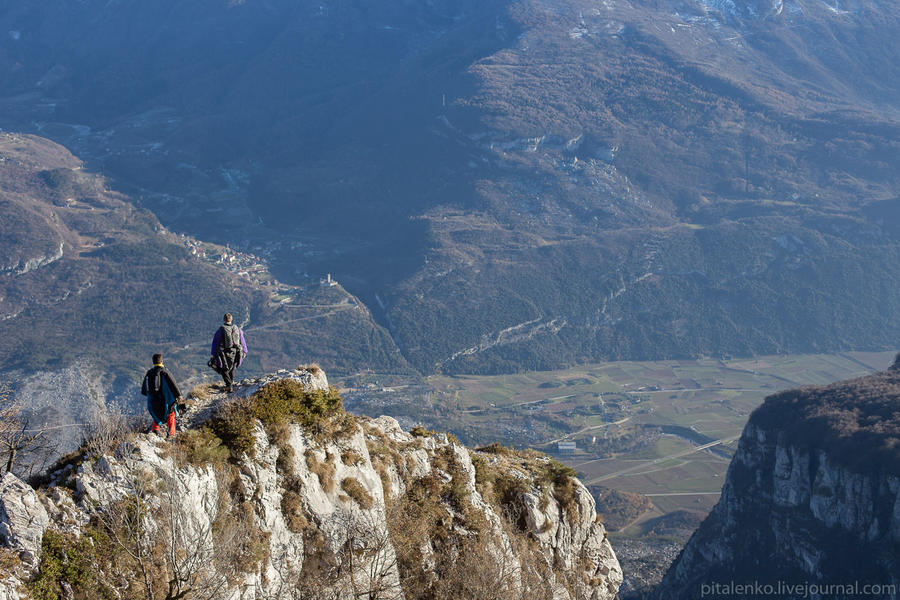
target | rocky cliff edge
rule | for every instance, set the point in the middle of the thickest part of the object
(811, 503)
(276, 492)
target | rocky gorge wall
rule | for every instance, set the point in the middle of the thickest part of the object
(337, 507)
(811, 503)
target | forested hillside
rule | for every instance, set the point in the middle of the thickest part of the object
(508, 184)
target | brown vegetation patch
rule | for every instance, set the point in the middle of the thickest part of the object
(515, 473)
(292, 509)
(421, 431)
(351, 457)
(466, 563)
(313, 368)
(202, 392)
(358, 492)
(323, 470)
(9, 561)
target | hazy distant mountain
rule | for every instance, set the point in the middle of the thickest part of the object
(507, 184)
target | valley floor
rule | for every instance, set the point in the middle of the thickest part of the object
(652, 440)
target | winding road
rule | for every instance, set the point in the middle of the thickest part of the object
(654, 461)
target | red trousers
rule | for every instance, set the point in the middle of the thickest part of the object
(170, 421)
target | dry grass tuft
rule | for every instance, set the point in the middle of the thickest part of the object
(292, 509)
(351, 457)
(324, 470)
(358, 492)
(202, 392)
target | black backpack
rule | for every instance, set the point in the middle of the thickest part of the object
(154, 381)
(231, 337)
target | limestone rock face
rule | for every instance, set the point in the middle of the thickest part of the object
(311, 379)
(571, 541)
(362, 507)
(812, 495)
(22, 519)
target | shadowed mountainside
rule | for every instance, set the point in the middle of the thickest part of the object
(508, 184)
(88, 280)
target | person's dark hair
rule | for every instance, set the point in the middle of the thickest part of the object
(157, 359)
(227, 318)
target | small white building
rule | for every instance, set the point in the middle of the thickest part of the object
(566, 447)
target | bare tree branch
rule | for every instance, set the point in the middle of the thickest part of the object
(21, 441)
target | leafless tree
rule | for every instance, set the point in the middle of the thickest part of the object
(107, 429)
(21, 437)
(192, 548)
(351, 558)
(478, 567)
(178, 549)
(129, 524)
(494, 562)
(366, 559)
(354, 559)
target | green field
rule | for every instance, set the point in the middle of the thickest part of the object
(663, 429)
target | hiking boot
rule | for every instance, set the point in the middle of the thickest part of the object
(229, 389)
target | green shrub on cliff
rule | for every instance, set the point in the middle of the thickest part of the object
(321, 412)
(69, 566)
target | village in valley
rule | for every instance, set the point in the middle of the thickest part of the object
(252, 267)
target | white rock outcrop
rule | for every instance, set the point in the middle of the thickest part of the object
(364, 507)
(22, 519)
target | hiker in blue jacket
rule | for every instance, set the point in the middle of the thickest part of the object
(162, 394)
(228, 351)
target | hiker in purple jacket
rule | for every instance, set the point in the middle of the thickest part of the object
(228, 351)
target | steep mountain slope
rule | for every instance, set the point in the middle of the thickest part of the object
(663, 185)
(508, 184)
(306, 502)
(91, 286)
(85, 273)
(810, 499)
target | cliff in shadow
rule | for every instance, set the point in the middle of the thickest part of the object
(811, 504)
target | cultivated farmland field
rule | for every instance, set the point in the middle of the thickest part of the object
(664, 429)
(688, 414)
(653, 440)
